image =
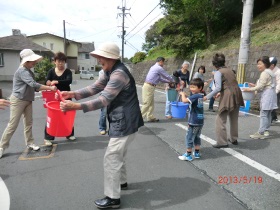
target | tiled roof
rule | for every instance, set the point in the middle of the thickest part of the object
(20, 42)
(86, 47)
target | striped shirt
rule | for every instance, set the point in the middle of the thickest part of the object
(108, 89)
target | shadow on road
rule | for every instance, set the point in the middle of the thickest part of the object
(158, 194)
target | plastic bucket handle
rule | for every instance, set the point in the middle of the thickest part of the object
(60, 96)
(244, 85)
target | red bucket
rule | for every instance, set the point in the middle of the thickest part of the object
(59, 123)
(48, 96)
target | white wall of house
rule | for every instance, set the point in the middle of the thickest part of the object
(11, 64)
(50, 42)
(86, 62)
(56, 44)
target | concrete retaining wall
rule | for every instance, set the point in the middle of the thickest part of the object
(140, 70)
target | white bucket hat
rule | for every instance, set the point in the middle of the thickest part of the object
(107, 50)
(29, 55)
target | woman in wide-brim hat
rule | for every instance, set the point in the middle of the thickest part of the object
(21, 99)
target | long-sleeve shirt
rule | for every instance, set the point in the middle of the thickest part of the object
(157, 74)
(64, 80)
(264, 82)
(108, 90)
(276, 71)
(198, 75)
(218, 85)
(24, 84)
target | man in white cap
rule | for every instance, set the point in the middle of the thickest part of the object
(21, 99)
(118, 93)
(276, 71)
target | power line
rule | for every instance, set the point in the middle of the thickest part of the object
(131, 46)
(143, 19)
(143, 27)
(97, 33)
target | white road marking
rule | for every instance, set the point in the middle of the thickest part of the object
(239, 156)
(4, 196)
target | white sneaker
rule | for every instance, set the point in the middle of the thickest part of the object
(1, 152)
(266, 133)
(103, 132)
(72, 138)
(257, 136)
(33, 146)
(47, 142)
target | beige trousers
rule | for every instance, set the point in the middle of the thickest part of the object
(114, 165)
(221, 131)
(148, 101)
(17, 108)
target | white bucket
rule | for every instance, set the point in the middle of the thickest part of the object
(247, 95)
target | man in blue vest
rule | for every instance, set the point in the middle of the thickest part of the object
(118, 93)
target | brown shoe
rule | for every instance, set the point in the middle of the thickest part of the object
(169, 117)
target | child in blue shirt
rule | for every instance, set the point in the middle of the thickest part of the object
(195, 119)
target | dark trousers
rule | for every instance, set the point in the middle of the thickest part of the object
(274, 113)
(211, 102)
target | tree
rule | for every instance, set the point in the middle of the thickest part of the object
(41, 69)
(138, 57)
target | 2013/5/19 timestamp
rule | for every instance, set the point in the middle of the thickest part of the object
(240, 180)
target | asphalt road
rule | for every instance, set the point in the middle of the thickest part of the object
(245, 176)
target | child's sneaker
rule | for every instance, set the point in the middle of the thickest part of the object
(196, 155)
(186, 157)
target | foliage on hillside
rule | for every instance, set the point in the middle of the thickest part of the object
(265, 29)
(178, 35)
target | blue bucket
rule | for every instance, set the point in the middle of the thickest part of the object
(172, 95)
(179, 109)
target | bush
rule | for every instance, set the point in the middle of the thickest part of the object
(41, 69)
(138, 57)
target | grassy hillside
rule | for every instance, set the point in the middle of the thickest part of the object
(265, 29)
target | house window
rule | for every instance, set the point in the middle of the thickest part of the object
(44, 44)
(86, 56)
(1, 59)
(83, 68)
(51, 46)
(92, 68)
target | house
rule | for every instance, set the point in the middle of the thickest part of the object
(10, 47)
(56, 44)
(85, 61)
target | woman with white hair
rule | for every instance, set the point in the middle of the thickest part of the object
(182, 74)
(21, 99)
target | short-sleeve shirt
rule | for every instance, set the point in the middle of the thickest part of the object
(196, 114)
(184, 77)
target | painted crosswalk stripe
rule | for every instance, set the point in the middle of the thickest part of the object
(239, 156)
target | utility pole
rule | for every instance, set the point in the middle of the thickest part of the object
(123, 14)
(245, 39)
(64, 39)
(64, 42)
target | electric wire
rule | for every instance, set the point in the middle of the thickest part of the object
(143, 19)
